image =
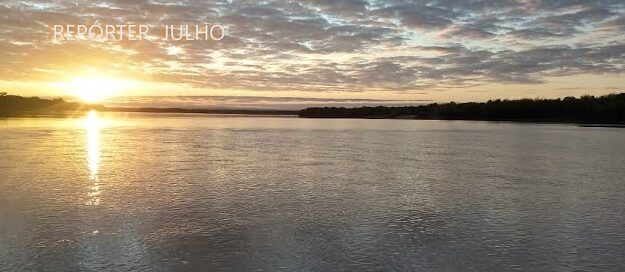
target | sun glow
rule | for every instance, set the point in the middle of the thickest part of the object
(97, 88)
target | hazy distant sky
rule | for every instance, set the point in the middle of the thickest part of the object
(322, 49)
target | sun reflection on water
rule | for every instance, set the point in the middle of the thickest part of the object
(92, 124)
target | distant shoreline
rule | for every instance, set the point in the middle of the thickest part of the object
(588, 111)
(203, 111)
(607, 109)
(14, 106)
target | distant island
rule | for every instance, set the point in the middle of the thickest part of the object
(207, 111)
(607, 109)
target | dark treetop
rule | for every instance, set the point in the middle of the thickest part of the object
(607, 109)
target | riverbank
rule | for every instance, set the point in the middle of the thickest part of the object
(607, 109)
(586, 110)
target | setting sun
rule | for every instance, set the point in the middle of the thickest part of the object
(96, 89)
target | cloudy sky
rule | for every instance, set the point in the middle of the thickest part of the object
(323, 51)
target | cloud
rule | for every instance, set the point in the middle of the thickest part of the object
(321, 45)
(250, 102)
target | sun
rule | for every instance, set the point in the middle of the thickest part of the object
(97, 88)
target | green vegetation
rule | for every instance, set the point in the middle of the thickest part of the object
(607, 109)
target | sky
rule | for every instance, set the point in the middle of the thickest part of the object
(291, 54)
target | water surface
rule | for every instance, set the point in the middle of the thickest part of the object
(141, 192)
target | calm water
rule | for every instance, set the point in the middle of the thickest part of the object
(215, 193)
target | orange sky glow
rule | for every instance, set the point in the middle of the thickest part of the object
(381, 52)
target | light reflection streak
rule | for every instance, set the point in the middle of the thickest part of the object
(92, 124)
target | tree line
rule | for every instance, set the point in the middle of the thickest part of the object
(607, 109)
(11, 105)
